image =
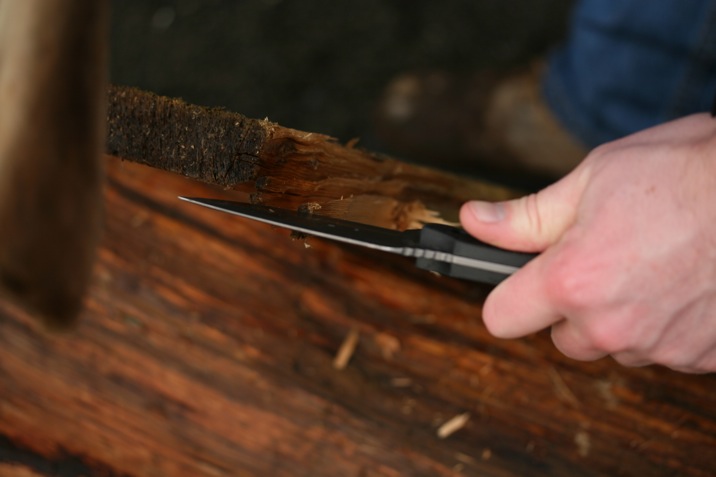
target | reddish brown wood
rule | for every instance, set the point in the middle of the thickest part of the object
(207, 349)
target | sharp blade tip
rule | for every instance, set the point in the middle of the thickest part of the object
(194, 200)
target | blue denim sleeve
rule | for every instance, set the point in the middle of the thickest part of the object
(630, 64)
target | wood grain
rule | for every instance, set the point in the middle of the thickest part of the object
(207, 349)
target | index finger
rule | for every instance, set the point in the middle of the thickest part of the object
(520, 305)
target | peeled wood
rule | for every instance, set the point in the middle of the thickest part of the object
(284, 167)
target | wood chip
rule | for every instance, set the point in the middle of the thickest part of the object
(309, 208)
(345, 352)
(389, 345)
(453, 425)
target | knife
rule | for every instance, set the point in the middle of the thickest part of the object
(436, 247)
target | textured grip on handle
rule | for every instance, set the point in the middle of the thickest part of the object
(457, 242)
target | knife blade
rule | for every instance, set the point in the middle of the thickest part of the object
(436, 247)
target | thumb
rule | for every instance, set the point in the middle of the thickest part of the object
(531, 223)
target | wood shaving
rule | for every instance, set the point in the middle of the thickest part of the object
(453, 425)
(345, 352)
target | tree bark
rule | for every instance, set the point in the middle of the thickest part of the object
(284, 167)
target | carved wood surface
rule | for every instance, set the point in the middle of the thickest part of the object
(208, 347)
(284, 167)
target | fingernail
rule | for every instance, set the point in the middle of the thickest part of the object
(488, 212)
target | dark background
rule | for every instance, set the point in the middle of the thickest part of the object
(318, 65)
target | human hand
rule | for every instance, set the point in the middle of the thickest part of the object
(628, 242)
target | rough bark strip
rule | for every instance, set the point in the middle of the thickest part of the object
(210, 145)
(281, 166)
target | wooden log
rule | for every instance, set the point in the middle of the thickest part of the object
(284, 167)
(208, 346)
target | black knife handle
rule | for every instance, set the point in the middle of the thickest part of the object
(456, 241)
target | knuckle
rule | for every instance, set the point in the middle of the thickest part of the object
(609, 336)
(602, 150)
(568, 286)
(577, 289)
(532, 213)
(531, 220)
